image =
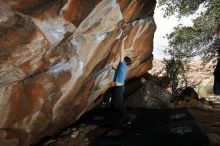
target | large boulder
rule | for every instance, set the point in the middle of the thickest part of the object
(56, 58)
(149, 95)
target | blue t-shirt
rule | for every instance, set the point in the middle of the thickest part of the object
(120, 73)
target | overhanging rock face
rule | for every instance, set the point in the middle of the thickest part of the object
(56, 58)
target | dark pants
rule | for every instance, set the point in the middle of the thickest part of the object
(117, 97)
(216, 87)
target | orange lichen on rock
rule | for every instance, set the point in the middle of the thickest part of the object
(136, 9)
(77, 10)
(43, 9)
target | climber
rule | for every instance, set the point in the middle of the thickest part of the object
(118, 84)
(216, 87)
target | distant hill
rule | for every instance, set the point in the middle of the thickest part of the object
(199, 74)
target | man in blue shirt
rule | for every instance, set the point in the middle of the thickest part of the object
(119, 81)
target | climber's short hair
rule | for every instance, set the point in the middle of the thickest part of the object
(127, 60)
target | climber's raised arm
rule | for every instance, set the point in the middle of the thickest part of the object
(122, 51)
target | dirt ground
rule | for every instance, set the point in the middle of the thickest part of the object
(206, 115)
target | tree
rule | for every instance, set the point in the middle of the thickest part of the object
(176, 68)
(200, 39)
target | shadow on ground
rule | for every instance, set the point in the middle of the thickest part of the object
(155, 127)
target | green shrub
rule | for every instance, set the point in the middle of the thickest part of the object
(206, 90)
